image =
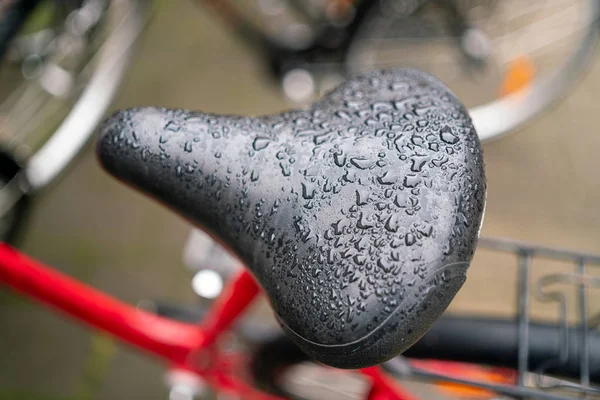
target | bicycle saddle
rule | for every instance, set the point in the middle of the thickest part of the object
(358, 216)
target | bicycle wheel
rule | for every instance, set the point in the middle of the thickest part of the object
(60, 73)
(506, 60)
(482, 352)
(14, 204)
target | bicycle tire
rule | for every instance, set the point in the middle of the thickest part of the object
(498, 117)
(110, 64)
(473, 340)
(74, 131)
(11, 21)
(14, 220)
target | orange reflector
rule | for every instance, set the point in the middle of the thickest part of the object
(468, 372)
(519, 75)
(480, 375)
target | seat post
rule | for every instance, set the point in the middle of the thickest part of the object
(233, 301)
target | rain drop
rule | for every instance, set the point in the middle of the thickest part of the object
(447, 136)
(260, 143)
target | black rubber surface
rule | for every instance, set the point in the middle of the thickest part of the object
(358, 216)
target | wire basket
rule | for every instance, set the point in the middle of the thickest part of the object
(576, 347)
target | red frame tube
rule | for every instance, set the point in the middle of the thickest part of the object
(166, 339)
(383, 387)
(175, 342)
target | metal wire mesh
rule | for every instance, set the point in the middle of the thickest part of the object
(567, 289)
(545, 289)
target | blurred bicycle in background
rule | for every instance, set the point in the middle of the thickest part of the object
(62, 63)
(506, 60)
(519, 57)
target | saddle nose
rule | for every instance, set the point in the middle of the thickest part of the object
(358, 216)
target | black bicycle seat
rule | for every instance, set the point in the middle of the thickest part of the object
(358, 216)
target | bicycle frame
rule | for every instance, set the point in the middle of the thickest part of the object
(193, 348)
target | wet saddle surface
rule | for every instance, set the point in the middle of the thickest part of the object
(358, 216)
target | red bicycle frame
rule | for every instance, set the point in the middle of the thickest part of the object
(193, 348)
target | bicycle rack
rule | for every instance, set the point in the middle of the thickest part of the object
(532, 381)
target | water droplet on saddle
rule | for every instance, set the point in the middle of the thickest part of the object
(307, 132)
(350, 176)
(308, 190)
(411, 181)
(363, 222)
(359, 259)
(285, 169)
(392, 223)
(399, 86)
(361, 244)
(353, 104)
(447, 136)
(385, 265)
(410, 239)
(338, 227)
(423, 109)
(401, 199)
(320, 139)
(438, 162)
(339, 159)
(260, 143)
(405, 103)
(172, 126)
(389, 177)
(362, 195)
(418, 141)
(187, 147)
(254, 176)
(361, 163)
(344, 115)
(381, 106)
(278, 125)
(417, 163)
(427, 231)
(312, 170)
